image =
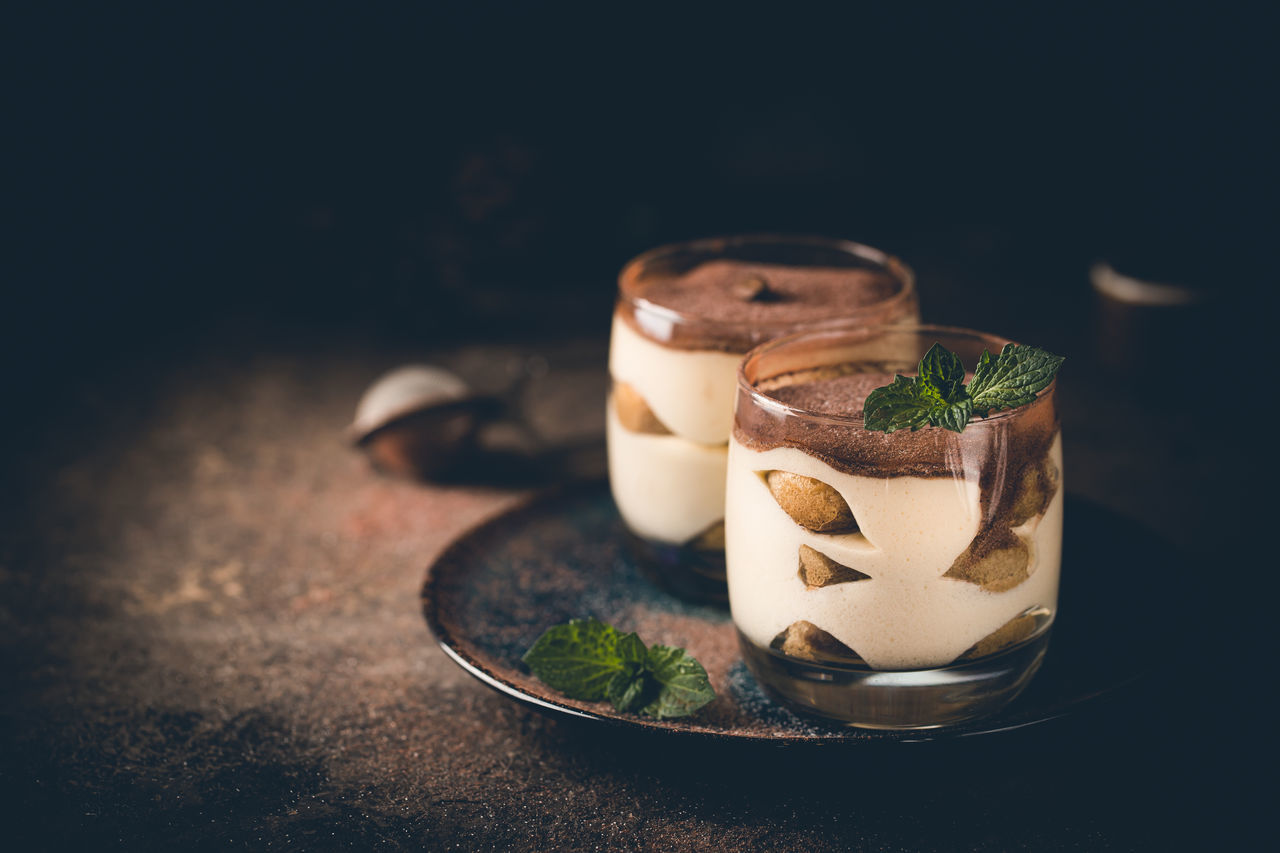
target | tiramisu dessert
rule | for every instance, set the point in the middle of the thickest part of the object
(894, 562)
(685, 316)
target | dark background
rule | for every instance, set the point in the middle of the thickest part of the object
(443, 172)
(346, 187)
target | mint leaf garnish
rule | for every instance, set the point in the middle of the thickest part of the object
(902, 403)
(938, 396)
(954, 416)
(685, 687)
(627, 689)
(1013, 379)
(941, 371)
(581, 658)
(589, 660)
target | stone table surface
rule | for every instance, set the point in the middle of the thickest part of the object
(211, 639)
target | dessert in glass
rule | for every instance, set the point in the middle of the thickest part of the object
(903, 579)
(685, 316)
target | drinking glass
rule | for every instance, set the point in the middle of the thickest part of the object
(685, 316)
(888, 580)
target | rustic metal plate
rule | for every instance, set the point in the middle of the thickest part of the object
(564, 555)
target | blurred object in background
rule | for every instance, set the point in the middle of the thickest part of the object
(497, 415)
(1139, 323)
(417, 421)
(1169, 289)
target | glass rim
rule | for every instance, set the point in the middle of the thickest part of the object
(890, 264)
(847, 330)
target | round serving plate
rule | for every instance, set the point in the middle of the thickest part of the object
(564, 555)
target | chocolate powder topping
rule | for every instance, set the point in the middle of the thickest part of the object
(723, 313)
(998, 452)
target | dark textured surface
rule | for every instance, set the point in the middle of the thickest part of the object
(223, 220)
(212, 639)
(564, 556)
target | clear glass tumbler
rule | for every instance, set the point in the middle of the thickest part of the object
(685, 316)
(888, 580)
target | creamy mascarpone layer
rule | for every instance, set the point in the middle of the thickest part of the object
(666, 488)
(690, 391)
(906, 616)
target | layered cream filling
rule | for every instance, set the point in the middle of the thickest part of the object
(670, 487)
(904, 614)
(690, 391)
(666, 488)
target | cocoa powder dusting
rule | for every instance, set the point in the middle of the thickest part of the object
(997, 452)
(732, 306)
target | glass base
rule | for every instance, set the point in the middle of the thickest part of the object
(687, 573)
(866, 698)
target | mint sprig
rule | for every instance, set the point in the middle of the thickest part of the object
(1013, 379)
(937, 395)
(589, 660)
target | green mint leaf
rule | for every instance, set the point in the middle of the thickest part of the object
(942, 374)
(629, 687)
(938, 396)
(985, 364)
(901, 404)
(941, 370)
(581, 657)
(684, 684)
(630, 648)
(953, 416)
(909, 403)
(587, 659)
(1013, 379)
